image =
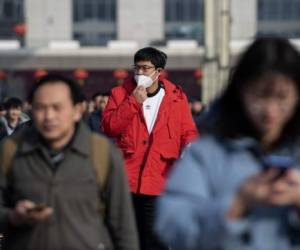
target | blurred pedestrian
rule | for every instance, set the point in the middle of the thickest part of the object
(13, 117)
(100, 100)
(225, 193)
(51, 194)
(150, 118)
(197, 108)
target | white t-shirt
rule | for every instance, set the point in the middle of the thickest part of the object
(10, 130)
(151, 106)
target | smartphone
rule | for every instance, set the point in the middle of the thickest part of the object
(37, 208)
(283, 163)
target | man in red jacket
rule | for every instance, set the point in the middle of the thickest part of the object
(151, 121)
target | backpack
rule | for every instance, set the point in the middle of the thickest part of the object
(99, 156)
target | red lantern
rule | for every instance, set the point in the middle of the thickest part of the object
(40, 73)
(20, 29)
(198, 73)
(2, 75)
(81, 74)
(120, 74)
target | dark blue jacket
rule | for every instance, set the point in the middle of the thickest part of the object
(94, 121)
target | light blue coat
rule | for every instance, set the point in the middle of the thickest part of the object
(191, 213)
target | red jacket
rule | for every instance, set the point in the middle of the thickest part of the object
(148, 157)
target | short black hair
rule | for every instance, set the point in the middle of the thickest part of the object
(13, 102)
(265, 56)
(155, 56)
(100, 93)
(75, 90)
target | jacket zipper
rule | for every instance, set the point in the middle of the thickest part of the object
(142, 167)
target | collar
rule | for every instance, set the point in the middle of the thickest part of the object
(81, 142)
(160, 86)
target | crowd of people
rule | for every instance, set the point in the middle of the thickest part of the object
(146, 167)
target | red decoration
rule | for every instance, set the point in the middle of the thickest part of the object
(198, 73)
(81, 74)
(20, 29)
(2, 75)
(120, 74)
(40, 73)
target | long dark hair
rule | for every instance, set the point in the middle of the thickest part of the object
(264, 56)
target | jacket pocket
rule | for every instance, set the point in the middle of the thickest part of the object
(169, 153)
(173, 129)
(169, 150)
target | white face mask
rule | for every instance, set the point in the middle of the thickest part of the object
(143, 80)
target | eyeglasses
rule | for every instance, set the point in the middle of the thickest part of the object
(144, 68)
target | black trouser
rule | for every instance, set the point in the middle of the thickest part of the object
(144, 206)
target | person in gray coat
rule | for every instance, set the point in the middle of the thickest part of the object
(50, 196)
(238, 186)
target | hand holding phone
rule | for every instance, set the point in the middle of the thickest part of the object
(282, 163)
(37, 208)
(28, 212)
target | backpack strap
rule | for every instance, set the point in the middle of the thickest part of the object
(9, 149)
(99, 155)
(100, 158)
(100, 162)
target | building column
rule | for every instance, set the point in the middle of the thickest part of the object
(48, 20)
(244, 19)
(210, 80)
(224, 44)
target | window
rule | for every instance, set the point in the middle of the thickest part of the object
(103, 10)
(11, 12)
(11, 9)
(88, 10)
(180, 6)
(279, 17)
(8, 10)
(279, 9)
(184, 19)
(94, 21)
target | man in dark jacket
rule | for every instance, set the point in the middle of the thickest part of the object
(100, 100)
(50, 195)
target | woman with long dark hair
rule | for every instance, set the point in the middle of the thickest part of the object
(238, 186)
